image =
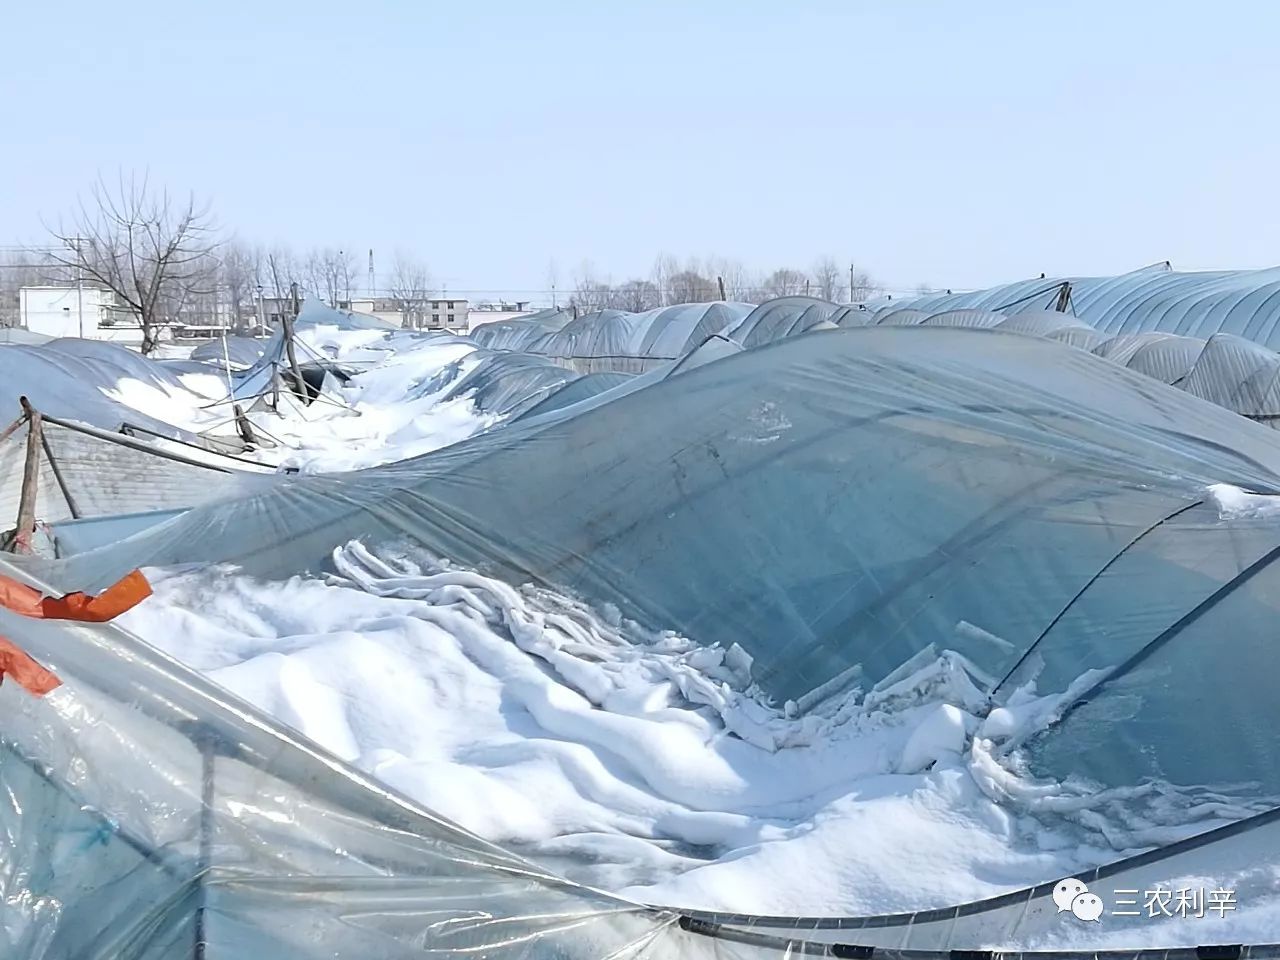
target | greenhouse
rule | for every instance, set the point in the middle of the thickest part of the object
(1241, 302)
(1231, 371)
(1208, 334)
(508, 383)
(613, 340)
(521, 333)
(784, 317)
(1009, 527)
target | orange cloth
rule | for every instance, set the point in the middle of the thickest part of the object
(27, 601)
(29, 675)
(122, 595)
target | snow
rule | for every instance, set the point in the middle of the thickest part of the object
(642, 762)
(1235, 504)
(939, 738)
(386, 412)
(392, 409)
(632, 760)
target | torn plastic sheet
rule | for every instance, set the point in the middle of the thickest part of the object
(732, 504)
(144, 811)
(846, 499)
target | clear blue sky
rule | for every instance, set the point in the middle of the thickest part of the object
(953, 143)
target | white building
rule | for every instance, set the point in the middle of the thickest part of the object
(70, 312)
(434, 314)
(383, 308)
(445, 314)
(492, 312)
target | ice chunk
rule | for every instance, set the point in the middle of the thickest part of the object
(940, 735)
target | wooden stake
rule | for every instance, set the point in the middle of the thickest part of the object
(287, 320)
(30, 480)
(244, 427)
(8, 431)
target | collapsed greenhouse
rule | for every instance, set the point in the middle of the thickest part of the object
(1048, 537)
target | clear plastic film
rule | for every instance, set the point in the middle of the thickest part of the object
(614, 340)
(145, 813)
(844, 499)
(1213, 334)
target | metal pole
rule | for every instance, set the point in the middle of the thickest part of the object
(79, 288)
(226, 360)
(207, 760)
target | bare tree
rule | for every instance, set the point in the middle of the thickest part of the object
(738, 284)
(240, 275)
(328, 275)
(635, 296)
(196, 303)
(282, 271)
(690, 286)
(864, 287)
(589, 293)
(828, 279)
(665, 267)
(146, 249)
(783, 283)
(411, 290)
(23, 268)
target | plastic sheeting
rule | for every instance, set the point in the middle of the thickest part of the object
(521, 332)
(1245, 303)
(72, 379)
(84, 472)
(242, 352)
(635, 342)
(850, 499)
(784, 317)
(506, 384)
(846, 500)
(614, 340)
(577, 391)
(262, 379)
(146, 814)
(22, 335)
(1227, 370)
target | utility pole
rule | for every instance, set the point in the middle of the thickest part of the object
(373, 288)
(79, 285)
(720, 281)
(287, 318)
(851, 281)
